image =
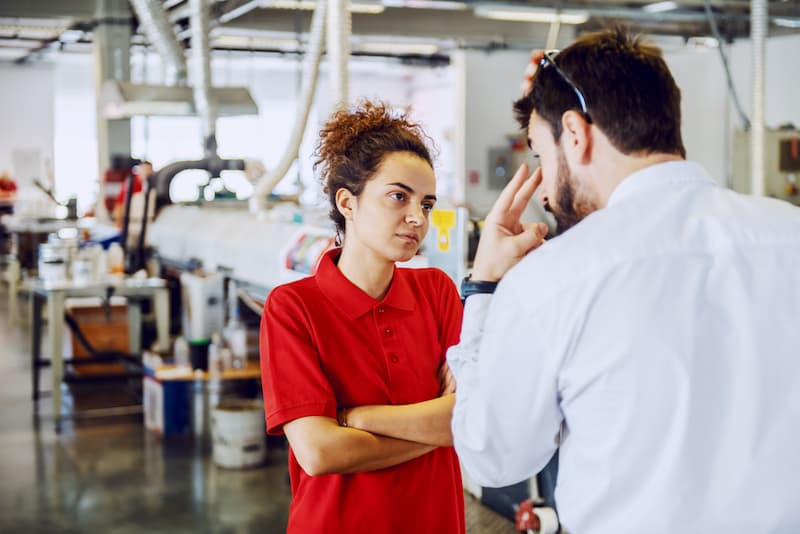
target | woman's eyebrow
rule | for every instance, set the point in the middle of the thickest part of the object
(410, 189)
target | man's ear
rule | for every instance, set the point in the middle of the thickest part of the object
(345, 202)
(576, 138)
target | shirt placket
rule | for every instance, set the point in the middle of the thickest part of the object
(391, 345)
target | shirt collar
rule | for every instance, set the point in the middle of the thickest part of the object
(667, 174)
(350, 299)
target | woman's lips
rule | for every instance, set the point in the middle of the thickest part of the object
(411, 238)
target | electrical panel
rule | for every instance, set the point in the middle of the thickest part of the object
(781, 164)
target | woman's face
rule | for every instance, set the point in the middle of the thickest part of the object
(390, 217)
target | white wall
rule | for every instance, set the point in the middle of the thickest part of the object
(274, 85)
(75, 131)
(704, 106)
(26, 117)
(50, 107)
(486, 86)
(782, 73)
(709, 115)
(433, 105)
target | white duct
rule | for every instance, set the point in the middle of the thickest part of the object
(158, 30)
(758, 32)
(201, 73)
(308, 85)
(340, 27)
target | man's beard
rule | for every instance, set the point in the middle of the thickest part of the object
(568, 210)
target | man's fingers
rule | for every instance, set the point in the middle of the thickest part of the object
(531, 238)
(525, 193)
(508, 193)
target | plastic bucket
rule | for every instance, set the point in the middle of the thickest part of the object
(238, 434)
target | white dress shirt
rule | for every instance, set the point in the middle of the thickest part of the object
(660, 337)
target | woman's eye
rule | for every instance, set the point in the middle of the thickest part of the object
(427, 207)
(397, 196)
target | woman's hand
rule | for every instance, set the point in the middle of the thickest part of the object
(447, 380)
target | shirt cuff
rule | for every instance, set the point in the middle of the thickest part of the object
(476, 309)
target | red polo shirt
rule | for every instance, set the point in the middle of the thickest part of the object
(327, 344)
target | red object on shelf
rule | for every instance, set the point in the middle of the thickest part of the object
(526, 519)
(7, 184)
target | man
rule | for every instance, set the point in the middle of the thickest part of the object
(655, 339)
(140, 173)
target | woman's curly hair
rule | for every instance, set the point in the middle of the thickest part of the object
(354, 142)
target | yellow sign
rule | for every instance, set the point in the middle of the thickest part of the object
(443, 221)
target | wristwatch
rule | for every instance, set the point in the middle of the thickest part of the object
(471, 287)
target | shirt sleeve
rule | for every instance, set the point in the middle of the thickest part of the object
(292, 379)
(506, 414)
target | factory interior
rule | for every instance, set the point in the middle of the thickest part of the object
(157, 180)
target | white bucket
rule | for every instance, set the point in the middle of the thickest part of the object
(238, 433)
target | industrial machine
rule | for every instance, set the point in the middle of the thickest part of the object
(781, 161)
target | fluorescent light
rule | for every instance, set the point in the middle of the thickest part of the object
(367, 8)
(786, 22)
(427, 4)
(255, 42)
(422, 49)
(659, 7)
(70, 36)
(531, 14)
(702, 42)
(371, 8)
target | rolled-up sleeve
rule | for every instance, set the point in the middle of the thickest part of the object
(506, 414)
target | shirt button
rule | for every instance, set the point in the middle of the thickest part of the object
(394, 358)
(388, 332)
(381, 309)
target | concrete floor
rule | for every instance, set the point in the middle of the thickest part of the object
(110, 475)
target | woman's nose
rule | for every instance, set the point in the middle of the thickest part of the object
(415, 216)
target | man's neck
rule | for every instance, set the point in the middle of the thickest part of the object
(619, 166)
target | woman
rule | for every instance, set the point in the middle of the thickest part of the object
(365, 340)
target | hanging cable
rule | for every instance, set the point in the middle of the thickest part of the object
(713, 23)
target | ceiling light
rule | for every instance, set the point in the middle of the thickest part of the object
(426, 4)
(702, 42)
(255, 42)
(786, 22)
(70, 36)
(421, 49)
(531, 14)
(659, 7)
(371, 8)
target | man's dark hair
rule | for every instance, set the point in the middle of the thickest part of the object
(630, 93)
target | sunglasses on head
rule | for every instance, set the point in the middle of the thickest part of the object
(548, 59)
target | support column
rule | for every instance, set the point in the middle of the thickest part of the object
(112, 37)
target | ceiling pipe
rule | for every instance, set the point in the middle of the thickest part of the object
(340, 28)
(201, 74)
(158, 30)
(758, 33)
(308, 86)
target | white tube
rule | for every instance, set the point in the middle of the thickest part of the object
(201, 75)
(758, 30)
(158, 30)
(310, 71)
(340, 27)
(548, 520)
